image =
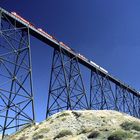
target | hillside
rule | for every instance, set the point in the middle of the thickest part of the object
(83, 125)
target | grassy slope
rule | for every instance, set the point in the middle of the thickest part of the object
(84, 125)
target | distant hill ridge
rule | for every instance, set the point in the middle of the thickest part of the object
(83, 125)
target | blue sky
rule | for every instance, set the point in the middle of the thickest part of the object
(105, 31)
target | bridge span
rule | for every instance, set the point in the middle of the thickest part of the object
(66, 89)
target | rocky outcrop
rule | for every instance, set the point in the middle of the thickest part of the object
(83, 125)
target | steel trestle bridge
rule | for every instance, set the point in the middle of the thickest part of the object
(66, 89)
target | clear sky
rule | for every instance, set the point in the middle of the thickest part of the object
(105, 31)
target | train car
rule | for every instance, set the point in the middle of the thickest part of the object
(48, 35)
(83, 57)
(45, 33)
(94, 64)
(103, 70)
(19, 17)
(64, 45)
(55, 39)
(32, 25)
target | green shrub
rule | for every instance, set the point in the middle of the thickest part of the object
(76, 114)
(63, 133)
(120, 135)
(93, 134)
(41, 131)
(38, 137)
(63, 119)
(51, 121)
(36, 127)
(85, 130)
(48, 118)
(23, 138)
(114, 137)
(63, 114)
(131, 126)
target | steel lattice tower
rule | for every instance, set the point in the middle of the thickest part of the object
(16, 95)
(66, 88)
(101, 94)
(105, 95)
(66, 91)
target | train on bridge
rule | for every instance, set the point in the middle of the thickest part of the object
(60, 43)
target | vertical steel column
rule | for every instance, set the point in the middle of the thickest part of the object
(107, 95)
(138, 107)
(66, 89)
(16, 94)
(101, 92)
(127, 102)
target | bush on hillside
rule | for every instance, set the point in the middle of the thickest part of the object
(120, 135)
(131, 126)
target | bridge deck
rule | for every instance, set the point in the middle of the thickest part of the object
(55, 44)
